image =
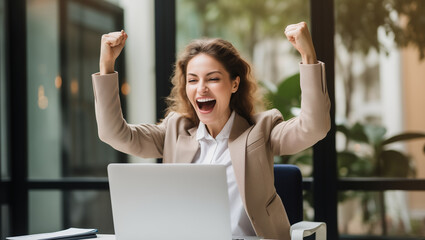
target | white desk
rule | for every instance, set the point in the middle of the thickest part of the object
(112, 237)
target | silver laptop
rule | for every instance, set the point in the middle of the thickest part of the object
(169, 201)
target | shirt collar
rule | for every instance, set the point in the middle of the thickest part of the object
(202, 132)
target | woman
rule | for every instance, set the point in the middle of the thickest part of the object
(211, 119)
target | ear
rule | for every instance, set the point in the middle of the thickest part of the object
(235, 84)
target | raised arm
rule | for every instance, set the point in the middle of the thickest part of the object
(313, 122)
(144, 140)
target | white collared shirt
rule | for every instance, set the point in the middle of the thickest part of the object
(216, 151)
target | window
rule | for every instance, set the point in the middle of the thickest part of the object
(62, 55)
(58, 42)
(378, 63)
(62, 133)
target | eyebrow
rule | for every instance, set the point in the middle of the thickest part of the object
(192, 74)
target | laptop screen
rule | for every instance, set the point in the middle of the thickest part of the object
(169, 201)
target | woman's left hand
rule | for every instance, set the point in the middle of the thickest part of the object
(300, 38)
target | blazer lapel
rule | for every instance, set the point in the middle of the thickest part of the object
(186, 147)
(237, 148)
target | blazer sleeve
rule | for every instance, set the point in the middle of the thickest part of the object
(313, 122)
(143, 140)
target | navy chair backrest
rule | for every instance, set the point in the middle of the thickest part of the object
(288, 183)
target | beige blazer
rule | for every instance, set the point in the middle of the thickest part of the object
(252, 147)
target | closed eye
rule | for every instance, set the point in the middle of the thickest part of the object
(191, 80)
(214, 79)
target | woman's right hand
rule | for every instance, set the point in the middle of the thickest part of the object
(110, 48)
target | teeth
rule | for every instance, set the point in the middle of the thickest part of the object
(205, 99)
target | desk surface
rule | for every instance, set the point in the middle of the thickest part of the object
(112, 237)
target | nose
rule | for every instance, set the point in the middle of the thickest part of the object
(202, 87)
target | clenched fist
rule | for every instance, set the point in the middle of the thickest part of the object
(300, 38)
(110, 48)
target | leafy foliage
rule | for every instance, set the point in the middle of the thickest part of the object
(285, 96)
(357, 23)
(247, 22)
(385, 162)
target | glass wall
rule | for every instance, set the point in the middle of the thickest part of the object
(85, 209)
(43, 60)
(63, 47)
(62, 55)
(84, 154)
(96, 212)
(364, 213)
(379, 61)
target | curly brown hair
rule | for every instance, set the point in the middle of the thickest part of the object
(243, 101)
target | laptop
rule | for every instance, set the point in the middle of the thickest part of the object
(169, 201)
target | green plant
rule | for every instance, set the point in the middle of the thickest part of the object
(383, 160)
(284, 96)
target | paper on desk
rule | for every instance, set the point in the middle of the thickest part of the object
(70, 233)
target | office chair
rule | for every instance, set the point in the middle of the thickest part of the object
(288, 184)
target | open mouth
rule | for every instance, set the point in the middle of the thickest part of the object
(206, 104)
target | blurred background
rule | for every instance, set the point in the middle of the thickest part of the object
(53, 166)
